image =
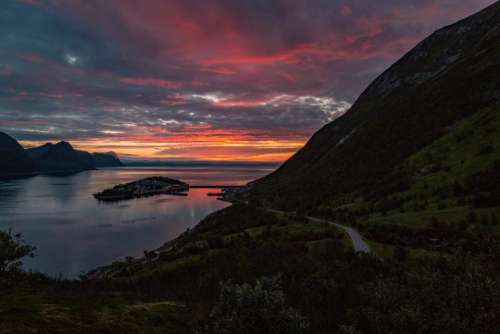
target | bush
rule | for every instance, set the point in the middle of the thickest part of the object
(441, 296)
(255, 309)
(12, 249)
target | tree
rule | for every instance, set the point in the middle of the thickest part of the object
(258, 309)
(12, 249)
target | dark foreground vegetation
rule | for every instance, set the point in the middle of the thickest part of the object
(243, 270)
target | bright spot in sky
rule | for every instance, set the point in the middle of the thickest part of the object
(71, 59)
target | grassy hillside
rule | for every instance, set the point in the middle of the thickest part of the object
(445, 197)
(321, 281)
(178, 289)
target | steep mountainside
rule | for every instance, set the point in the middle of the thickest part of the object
(13, 159)
(449, 76)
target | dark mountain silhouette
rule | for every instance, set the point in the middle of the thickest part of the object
(37, 152)
(449, 76)
(106, 160)
(14, 162)
(61, 157)
(50, 155)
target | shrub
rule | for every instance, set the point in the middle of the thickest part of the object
(12, 249)
(258, 309)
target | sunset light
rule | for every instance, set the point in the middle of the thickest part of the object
(175, 80)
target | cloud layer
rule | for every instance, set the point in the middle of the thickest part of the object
(213, 80)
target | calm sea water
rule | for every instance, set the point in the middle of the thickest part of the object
(74, 233)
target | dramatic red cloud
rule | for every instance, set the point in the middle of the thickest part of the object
(206, 80)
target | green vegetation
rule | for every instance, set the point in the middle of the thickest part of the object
(254, 309)
(448, 200)
(44, 306)
(34, 303)
(215, 278)
(12, 249)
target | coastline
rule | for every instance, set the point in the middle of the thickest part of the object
(172, 215)
(153, 255)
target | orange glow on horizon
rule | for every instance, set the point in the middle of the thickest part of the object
(201, 147)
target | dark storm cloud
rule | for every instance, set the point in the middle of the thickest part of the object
(133, 70)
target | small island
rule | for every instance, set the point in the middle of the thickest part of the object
(146, 187)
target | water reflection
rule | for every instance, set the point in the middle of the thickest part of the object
(74, 233)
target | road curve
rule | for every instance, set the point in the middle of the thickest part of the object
(358, 243)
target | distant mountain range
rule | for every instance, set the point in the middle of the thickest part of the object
(60, 158)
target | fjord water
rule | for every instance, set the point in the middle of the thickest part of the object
(74, 233)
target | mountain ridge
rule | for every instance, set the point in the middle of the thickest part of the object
(445, 78)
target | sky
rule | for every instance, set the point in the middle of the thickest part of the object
(224, 80)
